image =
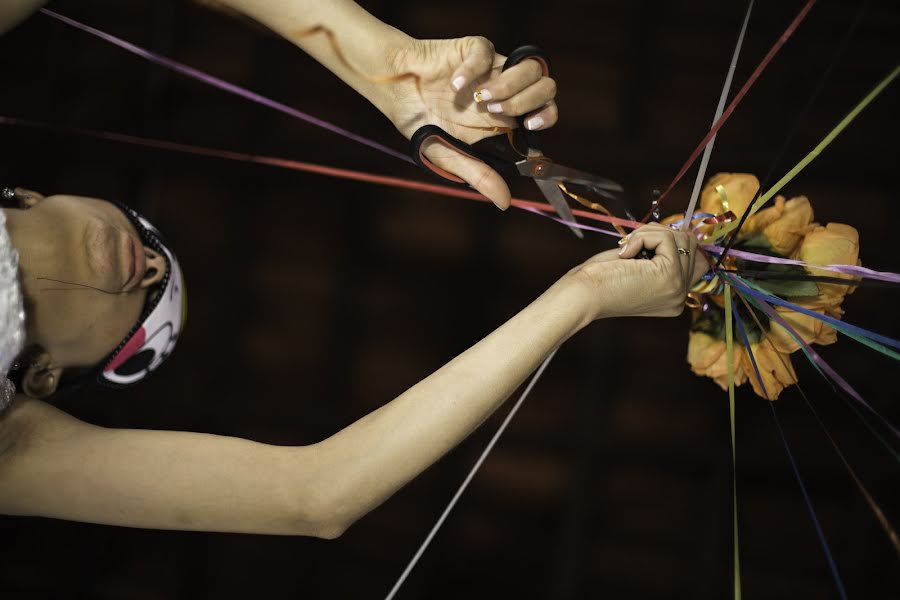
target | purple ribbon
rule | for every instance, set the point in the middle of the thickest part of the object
(571, 223)
(814, 356)
(852, 270)
(231, 88)
(809, 505)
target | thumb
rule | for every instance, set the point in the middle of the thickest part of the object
(474, 172)
(477, 55)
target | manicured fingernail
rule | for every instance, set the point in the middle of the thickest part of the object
(459, 82)
(483, 95)
(494, 107)
(534, 123)
(623, 249)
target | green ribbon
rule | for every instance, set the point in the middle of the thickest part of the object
(729, 353)
(819, 148)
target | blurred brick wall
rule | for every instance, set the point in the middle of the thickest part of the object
(314, 301)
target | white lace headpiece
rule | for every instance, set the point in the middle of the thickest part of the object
(12, 313)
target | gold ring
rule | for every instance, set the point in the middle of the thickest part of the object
(684, 251)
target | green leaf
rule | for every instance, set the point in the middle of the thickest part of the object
(788, 288)
(758, 240)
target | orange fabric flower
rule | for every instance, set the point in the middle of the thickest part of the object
(775, 370)
(834, 244)
(793, 223)
(810, 329)
(708, 358)
(784, 228)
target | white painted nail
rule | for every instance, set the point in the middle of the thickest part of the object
(534, 123)
(459, 82)
(483, 95)
(494, 107)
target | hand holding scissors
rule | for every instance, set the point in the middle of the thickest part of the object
(502, 154)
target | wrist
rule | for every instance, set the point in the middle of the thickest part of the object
(578, 293)
(387, 87)
(400, 57)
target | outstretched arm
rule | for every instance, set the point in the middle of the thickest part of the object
(448, 73)
(54, 465)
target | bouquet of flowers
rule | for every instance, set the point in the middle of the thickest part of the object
(784, 229)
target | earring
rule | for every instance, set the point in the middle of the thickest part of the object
(8, 193)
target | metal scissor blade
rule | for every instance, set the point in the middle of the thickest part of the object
(568, 174)
(558, 201)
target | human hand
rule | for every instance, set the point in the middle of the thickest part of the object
(616, 284)
(462, 90)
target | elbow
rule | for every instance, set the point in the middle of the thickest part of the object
(323, 518)
(330, 531)
(323, 506)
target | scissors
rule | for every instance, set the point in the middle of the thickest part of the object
(501, 154)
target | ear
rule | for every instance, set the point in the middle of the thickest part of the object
(156, 268)
(28, 198)
(41, 378)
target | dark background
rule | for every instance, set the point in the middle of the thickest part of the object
(313, 301)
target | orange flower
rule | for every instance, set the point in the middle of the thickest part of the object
(810, 329)
(739, 190)
(785, 233)
(785, 228)
(708, 358)
(775, 369)
(834, 244)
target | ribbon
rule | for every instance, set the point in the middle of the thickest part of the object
(795, 127)
(295, 165)
(231, 88)
(826, 141)
(835, 574)
(737, 99)
(870, 500)
(468, 479)
(729, 353)
(852, 270)
(701, 173)
(759, 300)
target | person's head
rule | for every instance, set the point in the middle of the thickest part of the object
(91, 273)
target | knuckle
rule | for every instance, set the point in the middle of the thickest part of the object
(676, 310)
(551, 86)
(502, 88)
(485, 43)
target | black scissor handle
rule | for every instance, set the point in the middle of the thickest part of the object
(495, 151)
(532, 138)
(433, 132)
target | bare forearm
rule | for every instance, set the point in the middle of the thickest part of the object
(13, 12)
(367, 43)
(372, 458)
(56, 466)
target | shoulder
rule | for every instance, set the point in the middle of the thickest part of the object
(12, 425)
(18, 422)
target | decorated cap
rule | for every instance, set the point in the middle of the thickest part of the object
(149, 343)
(153, 338)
